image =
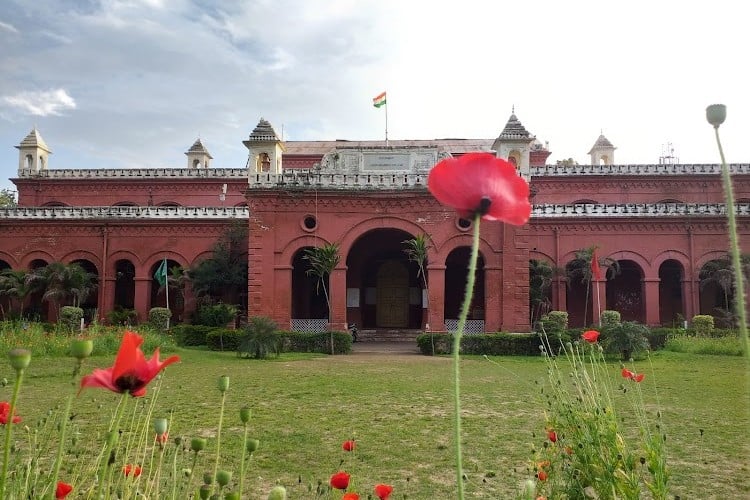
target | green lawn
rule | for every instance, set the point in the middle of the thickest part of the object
(398, 408)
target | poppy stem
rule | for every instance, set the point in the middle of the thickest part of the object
(9, 429)
(61, 444)
(468, 293)
(734, 248)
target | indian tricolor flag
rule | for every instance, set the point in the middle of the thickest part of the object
(379, 100)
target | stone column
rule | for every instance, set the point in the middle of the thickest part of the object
(493, 299)
(282, 303)
(142, 297)
(651, 301)
(559, 295)
(687, 299)
(337, 294)
(107, 298)
(436, 304)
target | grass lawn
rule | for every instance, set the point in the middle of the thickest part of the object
(398, 409)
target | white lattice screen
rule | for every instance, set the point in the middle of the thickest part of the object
(472, 325)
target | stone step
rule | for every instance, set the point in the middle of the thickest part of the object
(383, 335)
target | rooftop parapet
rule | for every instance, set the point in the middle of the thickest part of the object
(648, 169)
(58, 213)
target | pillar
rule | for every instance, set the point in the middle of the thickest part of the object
(107, 298)
(687, 299)
(559, 294)
(142, 297)
(436, 300)
(337, 296)
(651, 301)
(282, 303)
(493, 299)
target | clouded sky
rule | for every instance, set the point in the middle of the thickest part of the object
(134, 82)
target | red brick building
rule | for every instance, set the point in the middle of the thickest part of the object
(662, 223)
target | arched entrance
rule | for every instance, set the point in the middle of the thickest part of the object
(456, 271)
(124, 284)
(309, 307)
(625, 292)
(671, 310)
(717, 291)
(384, 289)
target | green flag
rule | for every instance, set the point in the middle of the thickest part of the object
(161, 273)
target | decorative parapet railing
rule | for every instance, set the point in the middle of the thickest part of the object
(538, 211)
(134, 173)
(367, 180)
(319, 180)
(637, 210)
(653, 169)
(51, 213)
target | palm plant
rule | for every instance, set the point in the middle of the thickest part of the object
(323, 260)
(60, 283)
(13, 285)
(416, 251)
(579, 269)
(541, 274)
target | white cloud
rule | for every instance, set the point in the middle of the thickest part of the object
(9, 27)
(43, 103)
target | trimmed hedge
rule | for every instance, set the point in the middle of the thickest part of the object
(218, 339)
(191, 335)
(491, 344)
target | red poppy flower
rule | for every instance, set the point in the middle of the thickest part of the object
(481, 183)
(62, 490)
(350, 496)
(5, 413)
(590, 336)
(542, 475)
(552, 435)
(162, 438)
(383, 491)
(349, 445)
(627, 373)
(638, 377)
(340, 480)
(134, 470)
(131, 372)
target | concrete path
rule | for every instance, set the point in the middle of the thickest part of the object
(385, 348)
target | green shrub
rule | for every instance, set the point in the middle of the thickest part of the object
(158, 318)
(191, 335)
(223, 339)
(703, 324)
(70, 318)
(723, 346)
(555, 322)
(316, 342)
(628, 339)
(610, 318)
(259, 339)
(490, 344)
(120, 316)
(215, 315)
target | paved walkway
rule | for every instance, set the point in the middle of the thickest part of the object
(385, 348)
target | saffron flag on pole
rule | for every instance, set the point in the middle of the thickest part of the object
(596, 271)
(161, 273)
(379, 100)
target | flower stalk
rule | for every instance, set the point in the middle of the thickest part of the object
(19, 363)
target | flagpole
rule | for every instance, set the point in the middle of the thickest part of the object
(166, 284)
(598, 304)
(386, 123)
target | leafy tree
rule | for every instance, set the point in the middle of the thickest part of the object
(416, 251)
(579, 269)
(7, 198)
(223, 276)
(13, 285)
(720, 272)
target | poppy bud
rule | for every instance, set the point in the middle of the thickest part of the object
(245, 414)
(223, 383)
(197, 444)
(205, 492)
(19, 359)
(82, 349)
(160, 425)
(208, 478)
(4, 382)
(716, 114)
(529, 489)
(252, 445)
(113, 437)
(232, 495)
(223, 477)
(277, 493)
(187, 472)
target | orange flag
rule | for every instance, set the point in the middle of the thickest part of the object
(596, 271)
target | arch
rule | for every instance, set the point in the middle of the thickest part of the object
(12, 261)
(159, 292)
(514, 157)
(125, 204)
(670, 200)
(456, 270)
(4, 265)
(648, 272)
(124, 288)
(671, 294)
(32, 259)
(169, 204)
(242, 204)
(707, 257)
(459, 240)
(539, 255)
(55, 203)
(307, 300)
(716, 290)
(585, 201)
(29, 161)
(82, 255)
(388, 285)
(625, 291)
(675, 255)
(123, 255)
